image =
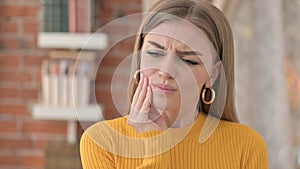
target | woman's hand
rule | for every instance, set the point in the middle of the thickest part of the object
(144, 117)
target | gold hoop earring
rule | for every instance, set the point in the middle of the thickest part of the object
(136, 81)
(213, 96)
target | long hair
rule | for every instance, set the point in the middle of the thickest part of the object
(216, 27)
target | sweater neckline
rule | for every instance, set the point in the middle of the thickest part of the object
(189, 132)
(193, 130)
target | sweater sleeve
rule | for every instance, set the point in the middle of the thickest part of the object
(256, 153)
(93, 156)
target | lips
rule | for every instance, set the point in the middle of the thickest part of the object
(164, 88)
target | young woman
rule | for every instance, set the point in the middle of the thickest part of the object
(182, 99)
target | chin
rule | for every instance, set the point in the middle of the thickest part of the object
(164, 103)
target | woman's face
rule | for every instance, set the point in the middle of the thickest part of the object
(178, 60)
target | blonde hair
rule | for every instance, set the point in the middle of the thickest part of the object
(216, 27)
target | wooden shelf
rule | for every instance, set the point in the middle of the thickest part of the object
(60, 113)
(63, 40)
(90, 113)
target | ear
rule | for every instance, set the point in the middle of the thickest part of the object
(214, 75)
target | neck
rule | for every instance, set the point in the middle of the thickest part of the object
(178, 118)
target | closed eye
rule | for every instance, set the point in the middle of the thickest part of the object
(190, 62)
(154, 53)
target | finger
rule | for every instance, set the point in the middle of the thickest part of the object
(137, 92)
(141, 99)
(146, 105)
(142, 115)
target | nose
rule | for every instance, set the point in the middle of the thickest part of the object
(167, 69)
(164, 74)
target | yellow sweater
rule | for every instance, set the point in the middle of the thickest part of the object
(114, 144)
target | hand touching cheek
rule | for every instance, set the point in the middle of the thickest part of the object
(141, 110)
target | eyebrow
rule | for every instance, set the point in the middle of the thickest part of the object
(159, 46)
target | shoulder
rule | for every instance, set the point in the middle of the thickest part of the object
(254, 152)
(104, 134)
(250, 140)
(96, 145)
(112, 137)
(240, 131)
(238, 136)
(114, 123)
(110, 129)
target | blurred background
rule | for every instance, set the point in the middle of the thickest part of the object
(41, 39)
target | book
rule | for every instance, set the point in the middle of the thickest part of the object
(72, 7)
(75, 16)
(64, 21)
(47, 16)
(55, 16)
(56, 20)
(84, 16)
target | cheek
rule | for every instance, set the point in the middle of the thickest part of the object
(201, 77)
(146, 61)
(148, 66)
(148, 72)
(200, 83)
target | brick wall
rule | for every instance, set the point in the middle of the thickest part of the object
(110, 10)
(23, 141)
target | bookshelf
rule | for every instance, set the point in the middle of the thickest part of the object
(60, 81)
(66, 29)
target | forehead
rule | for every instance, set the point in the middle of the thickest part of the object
(182, 33)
